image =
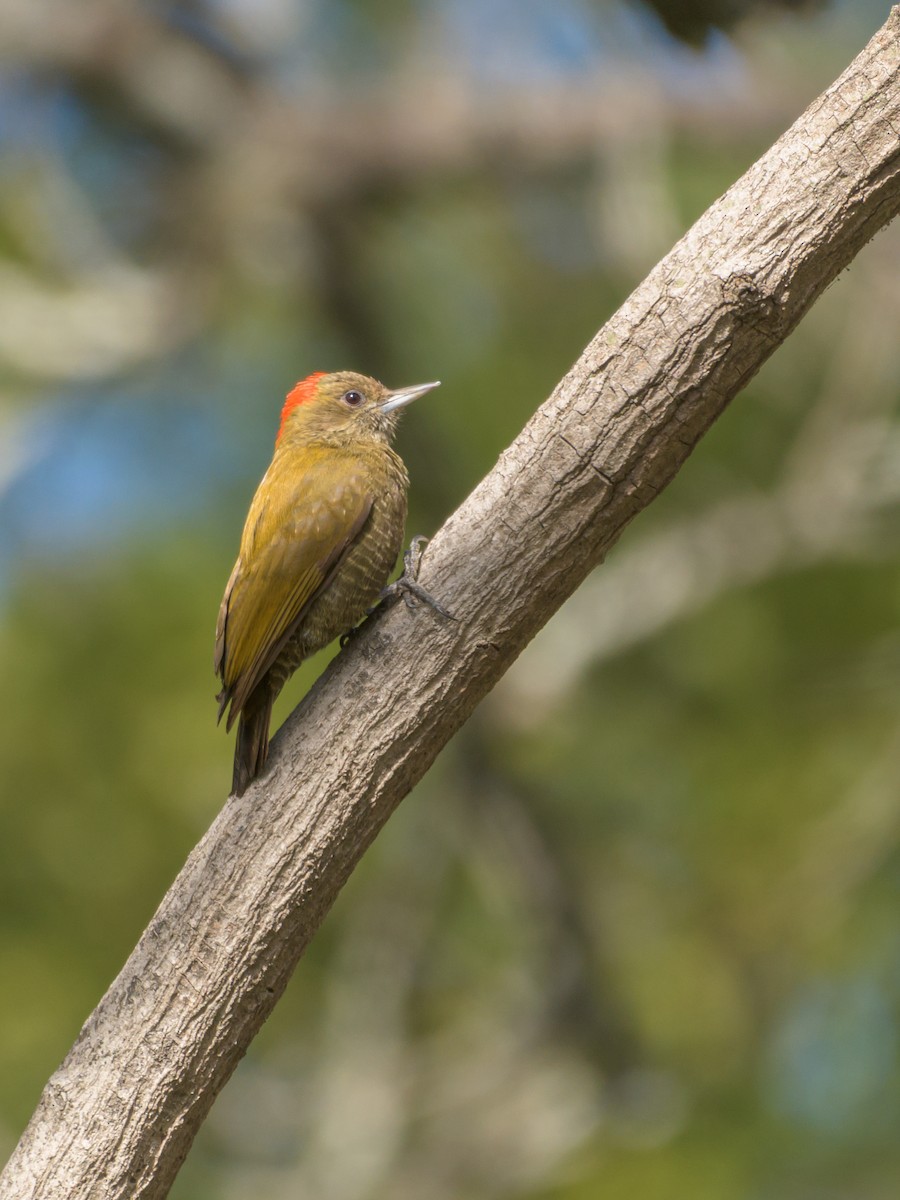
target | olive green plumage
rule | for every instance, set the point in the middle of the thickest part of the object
(321, 538)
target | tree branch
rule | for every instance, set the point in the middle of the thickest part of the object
(118, 1117)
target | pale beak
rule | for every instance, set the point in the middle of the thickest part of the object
(404, 396)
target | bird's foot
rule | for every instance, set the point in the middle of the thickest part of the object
(408, 585)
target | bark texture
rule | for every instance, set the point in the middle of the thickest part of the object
(118, 1117)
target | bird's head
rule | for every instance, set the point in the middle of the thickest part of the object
(343, 408)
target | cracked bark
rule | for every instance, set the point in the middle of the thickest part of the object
(117, 1118)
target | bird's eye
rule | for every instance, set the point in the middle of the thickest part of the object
(354, 399)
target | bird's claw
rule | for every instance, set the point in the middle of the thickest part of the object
(408, 585)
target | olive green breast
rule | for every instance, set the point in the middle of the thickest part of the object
(364, 569)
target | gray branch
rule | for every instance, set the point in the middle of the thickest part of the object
(118, 1117)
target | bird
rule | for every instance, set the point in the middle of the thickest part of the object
(322, 536)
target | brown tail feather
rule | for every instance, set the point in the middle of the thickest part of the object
(251, 748)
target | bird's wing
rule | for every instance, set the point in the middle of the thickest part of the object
(297, 533)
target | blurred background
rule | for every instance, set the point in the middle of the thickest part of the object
(636, 933)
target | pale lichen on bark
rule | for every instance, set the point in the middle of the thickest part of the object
(118, 1117)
